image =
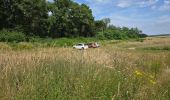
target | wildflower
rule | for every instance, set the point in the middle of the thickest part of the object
(138, 73)
(152, 82)
(151, 76)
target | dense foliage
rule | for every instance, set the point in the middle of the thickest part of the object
(113, 32)
(70, 19)
(61, 18)
(8, 36)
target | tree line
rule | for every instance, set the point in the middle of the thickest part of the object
(60, 18)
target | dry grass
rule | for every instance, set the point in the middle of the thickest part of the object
(148, 42)
(109, 72)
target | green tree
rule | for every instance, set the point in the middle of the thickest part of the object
(106, 21)
(5, 14)
(69, 19)
(59, 20)
(86, 21)
(29, 16)
(99, 25)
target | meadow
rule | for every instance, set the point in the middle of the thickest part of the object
(118, 70)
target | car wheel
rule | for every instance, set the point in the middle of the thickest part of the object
(82, 48)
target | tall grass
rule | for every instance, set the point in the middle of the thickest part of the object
(106, 73)
(35, 42)
(48, 74)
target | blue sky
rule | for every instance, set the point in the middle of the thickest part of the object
(151, 16)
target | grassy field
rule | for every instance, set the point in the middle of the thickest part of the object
(119, 70)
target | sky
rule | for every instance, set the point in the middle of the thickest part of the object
(151, 16)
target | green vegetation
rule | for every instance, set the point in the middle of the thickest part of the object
(61, 18)
(36, 42)
(109, 72)
(118, 33)
(37, 61)
(14, 36)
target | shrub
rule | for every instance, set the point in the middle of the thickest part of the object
(100, 36)
(21, 46)
(5, 46)
(111, 34)
(24, 45)
(11, 36)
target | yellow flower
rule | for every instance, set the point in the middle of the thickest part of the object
(138, 73)
(151, 76)
(152, 82)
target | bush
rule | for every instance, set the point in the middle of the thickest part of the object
(21, 46)
(5, 46)
(111, 34)
(100, 36)
(142, 35)
(11, 36)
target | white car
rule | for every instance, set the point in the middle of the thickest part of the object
(80, 46)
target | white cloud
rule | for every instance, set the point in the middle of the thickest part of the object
(153, 7)
(99, 1)
(149, 25)
(163, 19)
(139, 3)
(124, 3)
(148, 20)
(166, 1)
(144, 3)
(165, 6)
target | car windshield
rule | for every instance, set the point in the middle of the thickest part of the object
(79, 44)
